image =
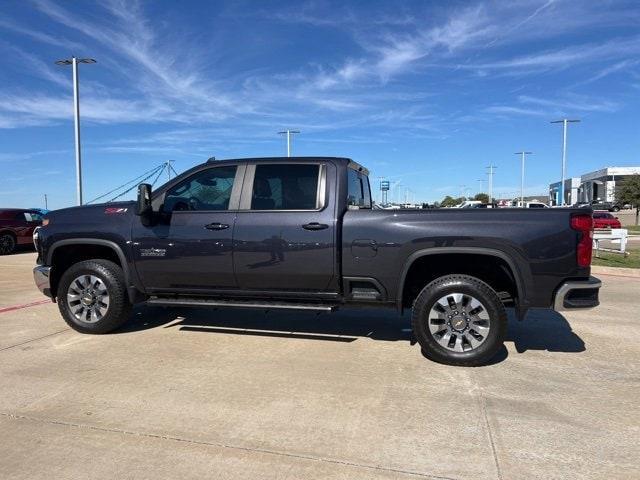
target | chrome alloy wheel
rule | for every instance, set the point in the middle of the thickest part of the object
(459, 322)
(88, 298)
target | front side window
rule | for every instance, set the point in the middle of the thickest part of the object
(285, 187)
(358, 195)
(206, 190)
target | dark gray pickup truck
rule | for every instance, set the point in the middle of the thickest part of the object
(300, 233)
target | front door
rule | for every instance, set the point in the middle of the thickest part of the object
(284, 238)
(190, 249)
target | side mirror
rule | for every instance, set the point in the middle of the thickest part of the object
(144, 200)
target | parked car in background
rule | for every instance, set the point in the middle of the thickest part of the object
(609, 206)
(16, 228)
(605, 220)
(536, 205)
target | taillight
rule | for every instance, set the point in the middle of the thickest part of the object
(584, 225)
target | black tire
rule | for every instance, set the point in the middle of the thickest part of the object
(468, 286)
(615, 209)
(7, 243)
(112, 278)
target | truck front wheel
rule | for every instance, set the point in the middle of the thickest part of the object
(459, 320)
(92, 296)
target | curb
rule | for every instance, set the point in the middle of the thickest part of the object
(618, 271)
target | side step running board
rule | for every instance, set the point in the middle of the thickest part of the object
(203, 302)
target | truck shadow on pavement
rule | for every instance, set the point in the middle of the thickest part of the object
(541, 330)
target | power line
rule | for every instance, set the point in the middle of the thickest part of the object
(151, 172)
(134, 186)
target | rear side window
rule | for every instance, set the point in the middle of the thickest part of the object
(285, 187)
(358, 193)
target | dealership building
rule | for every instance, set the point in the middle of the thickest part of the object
(597, 186)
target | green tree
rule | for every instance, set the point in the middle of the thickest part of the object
(448, 201)
(629, 192)
(482, 197)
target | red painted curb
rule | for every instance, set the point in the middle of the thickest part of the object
(24, 305)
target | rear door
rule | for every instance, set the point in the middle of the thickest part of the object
(285, 235)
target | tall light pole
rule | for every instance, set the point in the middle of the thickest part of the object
(522, 177)
(289, 133)
(76, 110)
(491, 172)
(564, 122)
(482, 180)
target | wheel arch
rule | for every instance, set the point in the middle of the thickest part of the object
(111, 246)
(9, 231)
(435, 252)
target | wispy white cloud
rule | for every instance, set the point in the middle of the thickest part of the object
(563, 58)
(40, 36)
(511, 110)
(572, 103)
(167, 83)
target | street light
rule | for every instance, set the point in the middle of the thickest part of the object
(522, 177)
(564, 122)
(76, 108)
(288, 132)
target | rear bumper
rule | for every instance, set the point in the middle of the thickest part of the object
(41, 276)
(577, 294)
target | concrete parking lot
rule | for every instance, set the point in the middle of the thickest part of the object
(252, 395)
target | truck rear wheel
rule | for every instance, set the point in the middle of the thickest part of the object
(92, 297)
(459, 320)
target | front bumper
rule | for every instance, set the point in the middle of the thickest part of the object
(41, 275)
(577, 294)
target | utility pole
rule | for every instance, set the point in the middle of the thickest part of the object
(522, 177)
(289, 133)
(46, 204)
(76, 109)
(382, 192)
(564, 122)
(491, 172)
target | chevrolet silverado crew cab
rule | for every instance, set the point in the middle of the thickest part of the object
(301, 233)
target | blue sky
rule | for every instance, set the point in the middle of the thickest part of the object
(423, 93)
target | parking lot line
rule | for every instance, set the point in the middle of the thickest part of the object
(11, 308)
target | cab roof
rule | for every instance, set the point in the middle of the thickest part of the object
(347, 161)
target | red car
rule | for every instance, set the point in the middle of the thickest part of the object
(16, 228)
(605, 220)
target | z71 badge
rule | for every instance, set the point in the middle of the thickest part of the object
(112, 210)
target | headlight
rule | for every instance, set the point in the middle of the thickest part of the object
(36, 237)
